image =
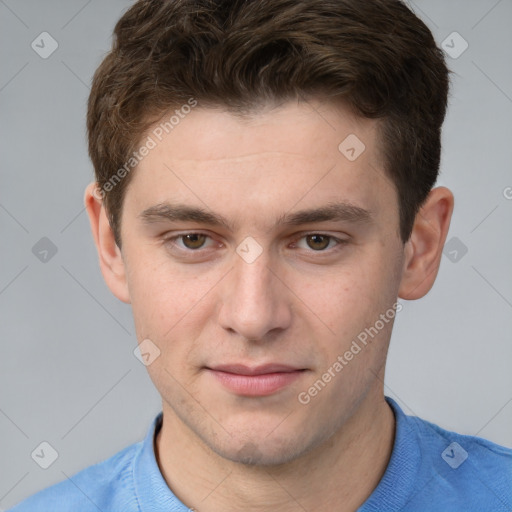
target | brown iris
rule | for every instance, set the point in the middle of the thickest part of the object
(193, 240)
(318, 242)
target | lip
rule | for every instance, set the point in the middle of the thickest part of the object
(264, 369)
(260, 380)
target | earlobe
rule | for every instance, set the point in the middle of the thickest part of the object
(424, 249)
(110, 258)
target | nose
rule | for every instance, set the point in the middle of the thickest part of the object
(255, 301)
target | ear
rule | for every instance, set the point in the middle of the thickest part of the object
(111, 260)
(424, 249)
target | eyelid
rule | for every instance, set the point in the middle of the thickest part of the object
(339, 241)
(177, 236)
(297, 237)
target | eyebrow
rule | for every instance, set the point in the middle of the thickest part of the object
(334, 211)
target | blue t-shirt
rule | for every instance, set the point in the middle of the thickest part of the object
(431, 469)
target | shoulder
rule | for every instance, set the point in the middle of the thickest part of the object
(462, 448)
(464, 469)
(107, 485)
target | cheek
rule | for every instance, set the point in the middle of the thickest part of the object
(167, 310)
(353, 296)
(163, 297)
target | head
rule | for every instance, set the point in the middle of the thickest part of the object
(264, 174)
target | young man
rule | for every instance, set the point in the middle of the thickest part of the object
(263, 196)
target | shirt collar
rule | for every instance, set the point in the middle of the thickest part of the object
(392, 492)
(398, 482)
(152, 491)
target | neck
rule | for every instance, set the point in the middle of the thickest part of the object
(338, 475)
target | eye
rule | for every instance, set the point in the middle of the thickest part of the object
(320, 242)
(194, 242)
(188, 241)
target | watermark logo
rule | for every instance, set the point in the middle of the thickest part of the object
(454, 45)
(352, 147)
(44, 455)
(249, 454)
(249, 250)
(44, 45)
(455, 249)
(44, 250)
(454, 455)
(146, 352)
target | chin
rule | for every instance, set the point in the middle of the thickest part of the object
(263, 449)
(257, 454)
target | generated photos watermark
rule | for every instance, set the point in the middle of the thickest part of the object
(151, 142)
(364, 337)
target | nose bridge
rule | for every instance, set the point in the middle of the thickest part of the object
(254, 302)
(253, 281)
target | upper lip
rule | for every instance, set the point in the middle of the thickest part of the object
(241, 369)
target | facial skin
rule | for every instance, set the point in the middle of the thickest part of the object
(293, 305)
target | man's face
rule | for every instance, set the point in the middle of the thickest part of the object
(267, 291)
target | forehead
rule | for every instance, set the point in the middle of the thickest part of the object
(305, 154)
(307, 129)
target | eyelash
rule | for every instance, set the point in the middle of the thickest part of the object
(339, 242)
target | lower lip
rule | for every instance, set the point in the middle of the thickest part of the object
(256, 385)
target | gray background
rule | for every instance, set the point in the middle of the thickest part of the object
(68, 375)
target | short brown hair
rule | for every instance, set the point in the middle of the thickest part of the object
(374, 56)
